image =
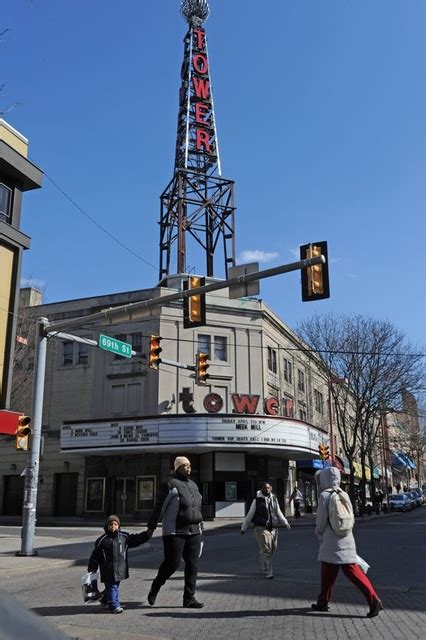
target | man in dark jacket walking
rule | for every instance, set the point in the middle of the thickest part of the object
(179, 508)
(110, 555)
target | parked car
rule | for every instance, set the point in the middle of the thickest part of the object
(399, 502)
(411, 499)
(419, 495)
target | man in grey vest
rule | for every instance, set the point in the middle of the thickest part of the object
(179, 508)
(266, 515)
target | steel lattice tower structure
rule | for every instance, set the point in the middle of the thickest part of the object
(198, 202)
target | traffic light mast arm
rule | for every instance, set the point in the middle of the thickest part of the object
(180, 295)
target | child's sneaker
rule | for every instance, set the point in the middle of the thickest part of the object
(117, 610)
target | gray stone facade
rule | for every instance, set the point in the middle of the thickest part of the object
(252, 352)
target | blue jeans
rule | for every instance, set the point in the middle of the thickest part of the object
(112, 595)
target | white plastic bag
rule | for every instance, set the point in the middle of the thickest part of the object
(89, 587)
(363, 564)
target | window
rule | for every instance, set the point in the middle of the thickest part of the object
(220, 348)
(134, 398)
(83, 353)
(288, 371)
(301, 380)
(67, 352)
(272, 359)
(204, 343)
(123, 338)
(5, 201)
(303, 414)
(319, 401)
(117, 398)
(136, 342)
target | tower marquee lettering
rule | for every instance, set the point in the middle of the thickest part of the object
(201, 92)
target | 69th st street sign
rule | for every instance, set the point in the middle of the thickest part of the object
(115, 346)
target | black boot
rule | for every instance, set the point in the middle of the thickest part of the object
(153, 593)
(376, 607)
(193, 604)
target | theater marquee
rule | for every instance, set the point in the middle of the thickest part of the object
(196, 432)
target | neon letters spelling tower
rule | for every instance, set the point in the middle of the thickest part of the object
(198, 204)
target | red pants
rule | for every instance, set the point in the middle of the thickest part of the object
(353, 572)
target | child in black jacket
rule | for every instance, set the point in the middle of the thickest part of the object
(110, 555)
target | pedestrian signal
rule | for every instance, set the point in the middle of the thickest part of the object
(324, 451)
(201, 367)
(23, 430)
(315, 280)
(154, 352)
(194, 307)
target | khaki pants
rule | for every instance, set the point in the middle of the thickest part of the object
(267, 542)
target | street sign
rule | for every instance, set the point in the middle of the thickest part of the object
(115, 346)
(244, 289)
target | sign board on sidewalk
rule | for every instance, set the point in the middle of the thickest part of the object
(115, 346)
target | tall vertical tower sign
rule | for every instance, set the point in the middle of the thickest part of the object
(198, 203)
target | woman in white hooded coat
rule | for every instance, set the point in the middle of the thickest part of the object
(338, 551)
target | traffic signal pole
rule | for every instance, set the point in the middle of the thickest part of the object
(108, 314)
(32, 470)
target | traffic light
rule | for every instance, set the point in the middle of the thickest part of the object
(201, 367)
(154, 351)
(194, 307)
(324, 451)
(315, 280)
(22, 432)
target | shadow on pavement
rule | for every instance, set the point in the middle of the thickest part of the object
(77, 610)
(297, 611)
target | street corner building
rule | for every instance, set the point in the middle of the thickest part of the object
(112, 426)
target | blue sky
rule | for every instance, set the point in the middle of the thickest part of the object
(320, 106)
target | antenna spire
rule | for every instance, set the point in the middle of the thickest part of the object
(195, 12)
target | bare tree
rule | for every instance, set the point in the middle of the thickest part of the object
(23, 365)
(379, 365)
(5, 110)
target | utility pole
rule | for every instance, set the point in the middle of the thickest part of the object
(32, 470)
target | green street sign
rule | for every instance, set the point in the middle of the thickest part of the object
(115, 346)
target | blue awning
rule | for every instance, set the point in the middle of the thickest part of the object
(409, 462)
(397, 460)
(312, 464)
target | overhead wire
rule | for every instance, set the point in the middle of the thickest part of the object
(89, 327)
(98, 224)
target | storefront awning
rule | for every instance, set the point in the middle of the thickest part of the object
(409, 462)
(344, 463)
(358, 471)
(400, 460)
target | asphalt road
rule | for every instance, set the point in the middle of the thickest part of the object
(239, 604)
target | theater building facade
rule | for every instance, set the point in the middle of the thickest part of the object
(112, 426)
